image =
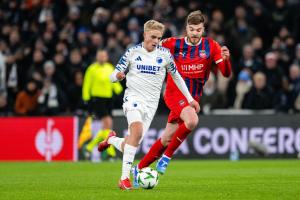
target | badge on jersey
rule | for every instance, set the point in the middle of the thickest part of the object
(202, 54)
(181, 102)
(159, 60)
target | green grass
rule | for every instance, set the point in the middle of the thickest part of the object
(184, 180)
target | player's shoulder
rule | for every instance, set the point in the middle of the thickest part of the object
(171, 39)
(163, 49)
(210, 40)
(134, 48)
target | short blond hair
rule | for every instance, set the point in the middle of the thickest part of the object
(154, 25)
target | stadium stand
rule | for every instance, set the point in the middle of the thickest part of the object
(51, 43)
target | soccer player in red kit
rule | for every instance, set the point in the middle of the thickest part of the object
(194, 56)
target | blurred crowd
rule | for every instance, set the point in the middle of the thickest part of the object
(47, 45)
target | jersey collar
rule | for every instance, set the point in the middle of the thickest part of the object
(147, 50)
(186, 41)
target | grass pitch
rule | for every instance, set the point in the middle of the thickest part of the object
(184, 180)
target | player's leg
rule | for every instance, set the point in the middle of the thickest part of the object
(102, 110)
(147, 122)
(159, 146)
(106, 122)
(136, 127)
(190, 121)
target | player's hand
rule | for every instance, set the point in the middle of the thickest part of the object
(194, 104)
(120, 76)
(225, 53)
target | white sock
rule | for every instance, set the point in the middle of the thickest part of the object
(128, 158)
(116, 142)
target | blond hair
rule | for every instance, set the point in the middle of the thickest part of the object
(154, 25)
(195, 18)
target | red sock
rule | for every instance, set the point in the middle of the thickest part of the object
(178, 137)
(154, 153)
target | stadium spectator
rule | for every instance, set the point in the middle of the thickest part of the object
(75, 102)
(26, 102)
(274, 73)
(37, 63)
(249, 60)
(2, 74)
(259, 96)
(297, 55)
(96, 43)
(212, 98)
(114, 50)
(52, 100)
(3, 93)
(12, 79)
(243, 86)
(100, 20)
(276, 81)
(294, 87)
(239, 32)
(75, 61)
(258, 47)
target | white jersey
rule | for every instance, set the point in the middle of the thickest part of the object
(146, 73)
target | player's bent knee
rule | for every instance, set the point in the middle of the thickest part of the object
(192, 122)
(136, 128)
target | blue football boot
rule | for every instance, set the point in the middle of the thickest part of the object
(162, 164)
(135, 172)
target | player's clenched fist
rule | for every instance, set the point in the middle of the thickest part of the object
(225, 53)
(120, 76)
(194, 104)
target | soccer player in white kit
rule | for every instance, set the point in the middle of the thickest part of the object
(147, 64)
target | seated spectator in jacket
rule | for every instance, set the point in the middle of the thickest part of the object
(259, 96)
(74, 91)
(26, 102)
(243, 86)
(212, 98)
(52, 99)
(249, 60)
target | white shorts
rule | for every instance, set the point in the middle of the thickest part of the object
(138, 111)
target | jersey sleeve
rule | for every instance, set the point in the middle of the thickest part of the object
(217, 56)
(124, 61)
(223, 65)
(122, 65)
(172, 69)
(171, 66)
(168, 42)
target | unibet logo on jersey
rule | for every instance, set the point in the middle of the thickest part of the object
(148, 69)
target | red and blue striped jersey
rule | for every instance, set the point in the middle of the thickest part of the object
(193, 62)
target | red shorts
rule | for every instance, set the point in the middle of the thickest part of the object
(176, 103)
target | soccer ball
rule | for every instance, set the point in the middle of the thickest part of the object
(147, 178)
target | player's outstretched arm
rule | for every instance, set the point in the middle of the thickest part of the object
(117, 76)
(119, 73)
(224, 65)
(181, 84)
